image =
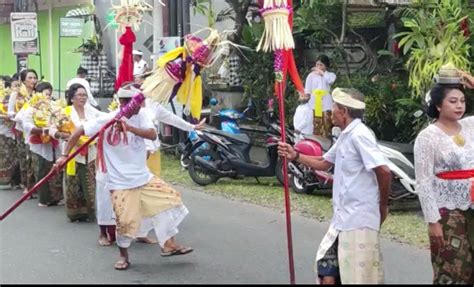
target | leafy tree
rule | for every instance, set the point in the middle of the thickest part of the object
(433, 37)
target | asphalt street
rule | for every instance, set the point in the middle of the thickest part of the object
(233, 242)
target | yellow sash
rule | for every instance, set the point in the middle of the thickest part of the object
(318, 102)
(71, 165)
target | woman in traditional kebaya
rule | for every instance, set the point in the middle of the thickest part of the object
(80, 172)
(17, 104)
(44, 143)
(444, 154)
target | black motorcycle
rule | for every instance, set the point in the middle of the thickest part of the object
(228, 155)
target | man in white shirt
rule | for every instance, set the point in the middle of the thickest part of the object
(350, 251)
(136, 194)
(140, 66)
(81, 79)
(303, 117)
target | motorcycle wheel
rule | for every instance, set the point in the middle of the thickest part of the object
(184, 161)
(199, 175)
(279, 170)
(298, 185)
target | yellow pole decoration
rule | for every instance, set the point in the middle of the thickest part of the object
(178, 72)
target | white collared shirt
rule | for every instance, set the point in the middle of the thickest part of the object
(356, 194)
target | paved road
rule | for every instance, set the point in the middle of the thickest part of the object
(234, 242)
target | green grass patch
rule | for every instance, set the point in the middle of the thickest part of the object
(405, 226)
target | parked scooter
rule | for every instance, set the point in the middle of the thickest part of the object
(401, 163)
(228, 123)
(304, 179)
(399, 158)
(228, 155)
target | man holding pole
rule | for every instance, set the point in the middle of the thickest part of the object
(350, 251)
(136, 194)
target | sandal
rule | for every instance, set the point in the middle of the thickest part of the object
(121, 265)
(179, 251)
(147, 240)
(103, 241)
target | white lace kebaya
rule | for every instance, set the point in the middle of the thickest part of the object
(435, 152)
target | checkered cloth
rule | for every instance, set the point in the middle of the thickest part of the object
(234, 64)
(93, 64)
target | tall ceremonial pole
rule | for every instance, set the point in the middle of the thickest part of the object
(278, 38)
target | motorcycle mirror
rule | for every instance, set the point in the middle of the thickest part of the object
(213, 101)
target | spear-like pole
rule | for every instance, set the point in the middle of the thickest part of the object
(278, 62)
(278, 38)
(126, 111)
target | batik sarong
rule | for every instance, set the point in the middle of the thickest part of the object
(359, 259)
(454, 263)
(7, 159)
(80, 193)
(25, 158)
(322, 126)
(51, 192)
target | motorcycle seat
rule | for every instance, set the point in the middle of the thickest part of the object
(243, 138)
(403, 148)
(324, 142)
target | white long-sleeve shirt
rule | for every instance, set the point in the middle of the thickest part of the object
(303, 119)
(324, 82)
(12, 114)
(160, 114)
(44, 150)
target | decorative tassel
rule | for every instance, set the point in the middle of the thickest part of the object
(277, 34)
(160, 86)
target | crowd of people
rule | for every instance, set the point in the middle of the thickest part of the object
(114, 181)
